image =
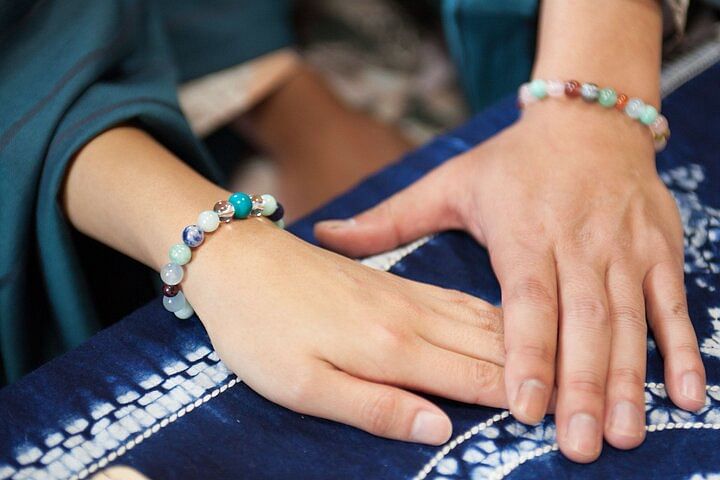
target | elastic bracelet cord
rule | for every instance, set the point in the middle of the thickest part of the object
(634, 108)
(238, 206)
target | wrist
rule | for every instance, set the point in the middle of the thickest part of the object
(178, 210)
(590, 128)
(616, 44)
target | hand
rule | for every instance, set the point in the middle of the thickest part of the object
(584, 239)
(326, 336)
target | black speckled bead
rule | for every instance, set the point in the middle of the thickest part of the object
(277, 214)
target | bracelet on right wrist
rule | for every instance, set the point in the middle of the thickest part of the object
(634, 108)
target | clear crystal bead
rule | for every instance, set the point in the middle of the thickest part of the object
(225, 211)
(258, 203)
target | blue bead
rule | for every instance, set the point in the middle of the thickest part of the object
(243, 204)
(278, 213)
(193, 236)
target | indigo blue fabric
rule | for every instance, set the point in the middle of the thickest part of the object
(150, 392)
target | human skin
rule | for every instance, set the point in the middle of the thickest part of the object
(304, 327)
(584, 238)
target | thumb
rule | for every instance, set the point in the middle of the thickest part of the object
(421, 209)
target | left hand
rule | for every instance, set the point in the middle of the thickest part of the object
(584, 239)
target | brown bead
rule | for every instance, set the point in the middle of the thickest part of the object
(170, 290)
(622, 99)
(572, 88)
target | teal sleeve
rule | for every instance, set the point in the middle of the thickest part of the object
(69, 69)
(492, 44)
(211, 35)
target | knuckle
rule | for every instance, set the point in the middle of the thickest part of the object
(585, 381)
(589, 310)
(491, 319)
(390, 339)
(627, 375)
(378, 413)
(486, 377)
(686, 349)
(534, 292)
(302, 389)
(629, 316)
(534, 352)
(677, 310)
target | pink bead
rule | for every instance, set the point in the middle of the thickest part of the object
(660, 143)
(660, 126)
(525, 96)
(556, 88)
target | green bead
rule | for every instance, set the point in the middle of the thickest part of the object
(648, 115)
(607, 97)
(242, 203)
(180, 254)
(538, 88)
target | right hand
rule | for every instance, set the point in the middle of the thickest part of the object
(326, 336)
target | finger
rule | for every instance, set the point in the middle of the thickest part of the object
(465, 339)
(414, 212)
(584, 350)
(459, 306)
(529, 301)
(675, 336)
(421, 366)
(382, 410)
(625, 402)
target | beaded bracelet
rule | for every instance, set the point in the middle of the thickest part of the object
(240, 205)
(607, 97)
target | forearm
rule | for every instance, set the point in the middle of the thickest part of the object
(130, 193)
(613, 43)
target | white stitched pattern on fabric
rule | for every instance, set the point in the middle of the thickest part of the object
(385, 261)
(114, 429)
(668, 419)
(111, 427)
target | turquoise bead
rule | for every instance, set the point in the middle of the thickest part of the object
(607, 97)
(242, 203)
(648, 115)
(538, 88)
(180, 254)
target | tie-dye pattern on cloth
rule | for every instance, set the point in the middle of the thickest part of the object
(151, 393)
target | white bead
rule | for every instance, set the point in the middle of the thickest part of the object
(174, 304)
(171, 273)
(269, 204)
(634, 108)
(208, 221)
(556, 88)
(185, 312)
(280, 224)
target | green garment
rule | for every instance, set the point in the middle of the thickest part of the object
(492, 44)
(69, 70)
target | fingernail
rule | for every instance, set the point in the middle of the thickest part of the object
(626, 420)
(530, 401)
(337, 224)
(583, 434)
(430, 427)
(692, 387)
